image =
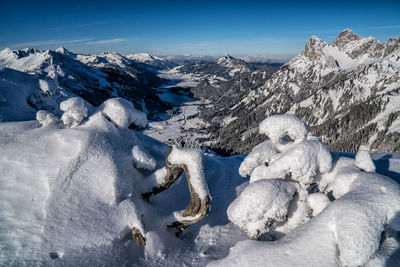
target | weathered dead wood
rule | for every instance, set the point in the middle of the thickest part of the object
(139, 238)
(197, 208)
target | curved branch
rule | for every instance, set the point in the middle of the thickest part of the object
(198, 207)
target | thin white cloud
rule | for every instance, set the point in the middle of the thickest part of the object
(50, 42)
(108, 41)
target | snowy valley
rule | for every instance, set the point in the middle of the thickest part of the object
(113, 160)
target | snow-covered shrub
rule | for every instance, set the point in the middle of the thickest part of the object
(278, 126)
(142, 159)
(364, 161)
(122, 112)
(259, 155)
(75, 111)
(261, 204)
(301, 162)
(46, 118)
(296, 163)
(344, 230)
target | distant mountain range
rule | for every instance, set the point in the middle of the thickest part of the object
(93, 77)
(347, 92)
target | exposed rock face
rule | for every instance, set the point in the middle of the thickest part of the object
(348, 93)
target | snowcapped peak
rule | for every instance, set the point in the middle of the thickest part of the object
(314, 47)
(225, 58)
(6, 52)
(345, 37)
(64, 51)
(144, 58)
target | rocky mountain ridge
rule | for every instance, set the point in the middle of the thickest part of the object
(347, 92)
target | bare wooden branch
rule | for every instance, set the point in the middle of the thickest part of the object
(197, 208)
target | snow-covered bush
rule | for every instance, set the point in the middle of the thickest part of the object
(142, 159)
(345, 229)
(364, 161)
(260, 154)
(75, 111)
(122, 112)
(278, 126)
(46, 118)
(262, 203)
(298, 162)
(301, 162)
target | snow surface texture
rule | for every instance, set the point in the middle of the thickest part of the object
(344, 232)
(122, 113)
(193, 159)
(142, 159)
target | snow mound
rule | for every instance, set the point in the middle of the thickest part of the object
(157, 177)
(317, 202)
(46, 118)
(122, 113)
(75, 111)
(260, 154)
(193, 159)
(261, 204)
(278, 126)
(142, 159)
(364, 161)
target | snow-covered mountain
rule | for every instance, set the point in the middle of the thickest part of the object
(223, 69)
(153, 61)
(347, 92)
(95, 78)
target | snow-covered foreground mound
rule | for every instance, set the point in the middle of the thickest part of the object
(71, 191)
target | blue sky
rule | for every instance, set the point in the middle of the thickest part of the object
(256, 28)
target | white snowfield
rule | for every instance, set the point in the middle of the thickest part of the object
(69, 196)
